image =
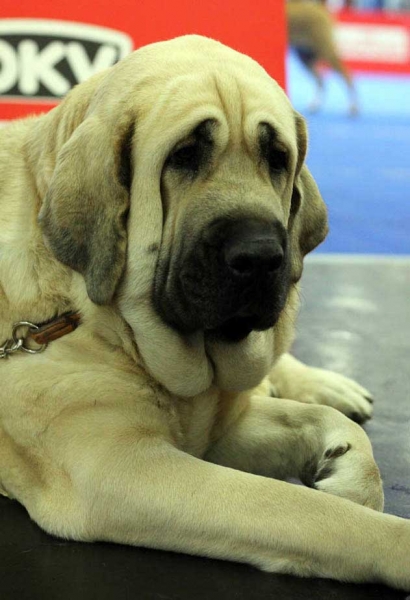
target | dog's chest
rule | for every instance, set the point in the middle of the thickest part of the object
(197, 417)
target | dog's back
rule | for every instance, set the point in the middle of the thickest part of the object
(310, 25)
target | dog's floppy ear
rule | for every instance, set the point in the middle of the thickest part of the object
(84, 211)
(308, 223)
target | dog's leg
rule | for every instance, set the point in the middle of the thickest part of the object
(316, 444)
(317, 102)
(309, 60)
(340, 68)
(292, 379)
(122, 485)
(332, 57)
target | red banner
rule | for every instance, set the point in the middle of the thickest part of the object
(374, 41)
(47, 47)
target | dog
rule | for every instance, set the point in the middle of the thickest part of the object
(152, 234)
(311, 35)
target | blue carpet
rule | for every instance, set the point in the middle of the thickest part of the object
(362, 165)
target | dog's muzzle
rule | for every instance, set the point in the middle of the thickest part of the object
(230, 281)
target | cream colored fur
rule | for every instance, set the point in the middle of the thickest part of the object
(127, 431)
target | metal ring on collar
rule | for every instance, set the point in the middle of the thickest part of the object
(17, 339)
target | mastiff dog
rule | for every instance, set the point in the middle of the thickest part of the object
(152, 234)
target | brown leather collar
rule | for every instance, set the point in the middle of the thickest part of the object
(55, 329)
(40, 334)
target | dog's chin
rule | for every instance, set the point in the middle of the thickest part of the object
(229, 329)
(237, 328)
(233, 330)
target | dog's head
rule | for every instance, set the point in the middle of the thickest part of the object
(182, 197)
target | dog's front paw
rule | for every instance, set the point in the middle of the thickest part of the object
(331, 389)
(346, 468)
(294, 380)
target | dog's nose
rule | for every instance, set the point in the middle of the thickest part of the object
(254, 248)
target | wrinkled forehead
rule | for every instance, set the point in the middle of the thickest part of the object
(174, 85)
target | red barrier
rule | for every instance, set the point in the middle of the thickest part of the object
(374, 41)
(47, 47)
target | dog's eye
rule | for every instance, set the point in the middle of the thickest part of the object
(272, 151)
(277, 160)
(193, 153)
(187, 158)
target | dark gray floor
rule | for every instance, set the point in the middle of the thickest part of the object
(356, 320)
